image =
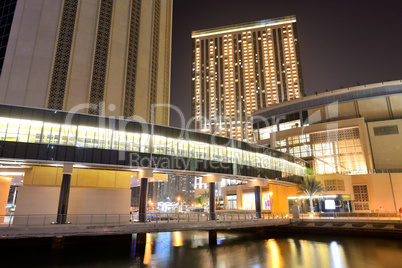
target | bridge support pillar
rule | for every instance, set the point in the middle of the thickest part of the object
(212, 238)
(140, 244)
(141, 239)
(64, 194)
(212, 205)
(211, 180)
(142, 212)
(145, 174)
(257, 193)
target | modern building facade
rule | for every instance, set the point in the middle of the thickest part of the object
(351, 138)
(7, 8)
(239, 69)
(100, 57)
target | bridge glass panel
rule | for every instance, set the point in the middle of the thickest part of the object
(145, 140)
(127, 136)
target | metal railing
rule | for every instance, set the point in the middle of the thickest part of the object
(388, 215)
(133, 218)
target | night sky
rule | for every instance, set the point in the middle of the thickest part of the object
(342, 43)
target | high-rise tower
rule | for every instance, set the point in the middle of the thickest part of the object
(7, 8)
(239, 69)
(109, 57)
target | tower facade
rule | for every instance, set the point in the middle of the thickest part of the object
(7, 8)
(103, 57)
(239, 69)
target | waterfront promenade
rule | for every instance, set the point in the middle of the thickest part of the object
(101, 225)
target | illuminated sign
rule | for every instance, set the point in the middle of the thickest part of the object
(330, 204)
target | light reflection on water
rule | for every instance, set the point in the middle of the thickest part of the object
(192, 249)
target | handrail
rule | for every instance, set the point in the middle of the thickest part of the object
(133, 218)
(384, 215)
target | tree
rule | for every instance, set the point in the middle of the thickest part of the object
(311, 187)
(203, 199)
(200, 201)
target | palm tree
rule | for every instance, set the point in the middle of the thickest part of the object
(203, 199)
(310, 186)
(200, 200)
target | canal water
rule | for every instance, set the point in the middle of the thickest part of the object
(192, 250)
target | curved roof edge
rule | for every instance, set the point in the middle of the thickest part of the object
(336, 96)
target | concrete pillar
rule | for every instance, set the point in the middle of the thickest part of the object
(144, 174)
(64, 194)
(143, 199)
(257, 193)
(58, 242)
(211, 179)
(212, 238)
(141, 238)
(140, 244)
(212, 205)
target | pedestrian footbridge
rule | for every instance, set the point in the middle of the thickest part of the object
(32, 226)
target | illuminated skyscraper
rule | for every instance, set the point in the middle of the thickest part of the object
(108, 57)
(239, 69)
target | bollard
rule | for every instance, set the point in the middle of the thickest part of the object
(12, 217)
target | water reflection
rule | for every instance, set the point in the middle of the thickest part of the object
(336, 255)
(275, 256)
(177, 239)
(191, 249)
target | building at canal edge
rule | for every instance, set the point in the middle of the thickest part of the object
(351, 138)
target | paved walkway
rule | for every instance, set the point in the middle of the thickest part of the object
(149, 227)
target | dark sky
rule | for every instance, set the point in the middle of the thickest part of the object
(341, 42)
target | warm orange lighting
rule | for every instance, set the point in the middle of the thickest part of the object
(270, 193)
(177, 239)
(148, 249)
(274, 253)
(178, 198)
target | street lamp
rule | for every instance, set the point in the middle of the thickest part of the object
(178, 199)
